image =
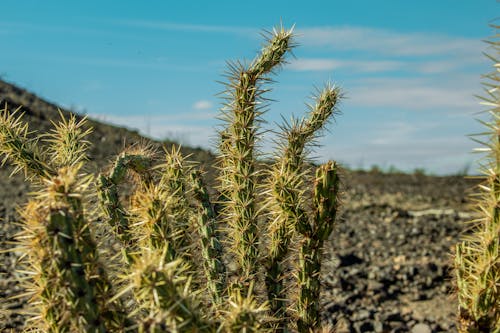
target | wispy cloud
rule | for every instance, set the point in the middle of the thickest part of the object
(147, 64)
(93, 86)
(417, 66)
(438, 154)
(323, 64)
(179, 117)
(388, 42)
(173, 26)
(202, 105)
(166, 127)
(56, 28)
(414, 94)
(396, 131)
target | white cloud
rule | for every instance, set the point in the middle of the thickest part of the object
(153, 64)
(371, 50)
(388, 42)
(418, 66)
(165, 127)
(171, 26)
(202, 105)
(415, 94)
(179, 117)
(389, 133)
(323, 64)
(15, 27)
(442, 155)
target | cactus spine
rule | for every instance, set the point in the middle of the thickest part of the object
(161, 286)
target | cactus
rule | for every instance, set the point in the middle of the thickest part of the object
(68, 281)
(477, 257)
(187, 267)
(287, 192)
(20, 150)
(315, 233)
(137, 159)
(211, 246)
(242, 114)
(161, 286)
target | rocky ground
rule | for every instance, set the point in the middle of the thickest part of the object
(389, 267)
(387, 264)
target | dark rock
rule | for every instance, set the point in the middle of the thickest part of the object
(349, 260)
(365, 326)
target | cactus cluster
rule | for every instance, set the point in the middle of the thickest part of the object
(477, 257)
(183, 265)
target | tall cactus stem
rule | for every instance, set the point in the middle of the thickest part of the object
(325, 202)
(286, 197)
(238, 153)
(215, 270)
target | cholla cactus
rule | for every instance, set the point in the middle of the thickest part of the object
(69, 286)
(287, 192)
(161, 287)
(315, 233)
(242, 112)
(245, 314)
(138, 159)
(179, 251)
(477, 259)
(23, 152)
(211, 247)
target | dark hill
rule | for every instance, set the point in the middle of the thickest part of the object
(107, 139)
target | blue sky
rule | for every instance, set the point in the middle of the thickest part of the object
(409, 69)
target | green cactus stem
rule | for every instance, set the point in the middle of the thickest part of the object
(325, 203)
(152, 226)
(174, 177)
(68, 277)
(138, 159)
(245, 315)
(286, 198)
(238, 156)
(211, 247)
(67, 141)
